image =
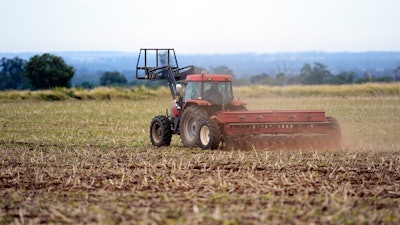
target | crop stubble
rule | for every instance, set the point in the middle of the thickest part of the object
(90, 162)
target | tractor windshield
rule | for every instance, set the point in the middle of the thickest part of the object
(215, 92)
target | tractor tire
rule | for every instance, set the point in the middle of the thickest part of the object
(160, 131)
(335, 136)
(209, 135)
(189, 125)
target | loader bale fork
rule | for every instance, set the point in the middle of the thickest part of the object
(206, 114)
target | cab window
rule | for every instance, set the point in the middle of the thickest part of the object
(193, 91)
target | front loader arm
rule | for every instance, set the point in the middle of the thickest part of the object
(159, 64)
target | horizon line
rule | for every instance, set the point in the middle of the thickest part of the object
(213, 53)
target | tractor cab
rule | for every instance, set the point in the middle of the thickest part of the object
(210, 89)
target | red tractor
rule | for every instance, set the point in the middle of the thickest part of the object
(206, 114)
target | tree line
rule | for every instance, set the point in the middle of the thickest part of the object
(48, 71)
(39, 72)
(318, 74)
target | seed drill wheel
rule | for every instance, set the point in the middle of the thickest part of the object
(209, 135)
(160, 131)
(189, 125)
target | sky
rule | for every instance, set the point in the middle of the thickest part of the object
(200, 26)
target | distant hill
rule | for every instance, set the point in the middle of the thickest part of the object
(90, 64)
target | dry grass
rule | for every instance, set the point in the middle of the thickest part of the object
(253, 91)
(351, 90)
(100, 93)
(79, 162)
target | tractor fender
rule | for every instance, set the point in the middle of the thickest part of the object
(237, 103)
(198, 102)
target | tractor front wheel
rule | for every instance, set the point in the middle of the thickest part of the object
(160, 131)
(209, 135)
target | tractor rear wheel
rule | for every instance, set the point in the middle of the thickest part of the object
(209, 135)
(160, 131)
(190, 124)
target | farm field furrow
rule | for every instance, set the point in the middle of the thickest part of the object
(79, 162)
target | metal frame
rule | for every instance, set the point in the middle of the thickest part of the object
(151, 70)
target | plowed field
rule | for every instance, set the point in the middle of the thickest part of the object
(90, 162)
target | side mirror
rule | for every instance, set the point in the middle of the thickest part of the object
(178, 88)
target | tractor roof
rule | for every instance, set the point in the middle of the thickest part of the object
(209, 77)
